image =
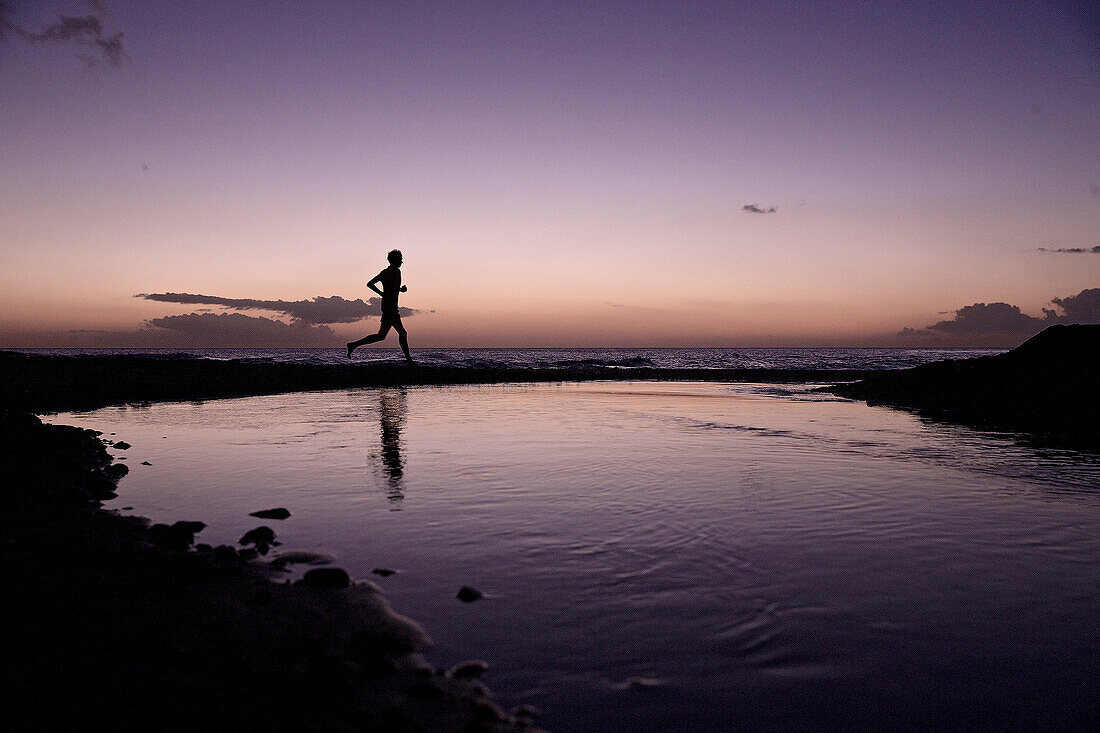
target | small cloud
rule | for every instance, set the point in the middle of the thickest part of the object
(1072, 250)
(85, 31)
(757, 209)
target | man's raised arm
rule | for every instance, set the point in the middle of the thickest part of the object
(372, 283)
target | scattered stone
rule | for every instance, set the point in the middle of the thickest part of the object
(146, 463)
(122, 444)
(526, 712)
(466, 594)
(177, 537)
(304, 557)
(469, 670)
(384, 572)
(640, 683)
(204, 548)
(262, 537)
(248, 553)
(277, 513)
(116, 471)
(325, 578)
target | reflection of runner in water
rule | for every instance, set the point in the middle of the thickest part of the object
(391, 317)
(391, 411)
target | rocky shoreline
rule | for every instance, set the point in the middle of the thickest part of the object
(1048, 388)
(116, 624)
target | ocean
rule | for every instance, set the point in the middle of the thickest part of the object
(670, 358)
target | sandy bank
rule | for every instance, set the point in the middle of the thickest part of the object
(107, 629)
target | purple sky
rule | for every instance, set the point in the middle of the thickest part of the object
(555, 173)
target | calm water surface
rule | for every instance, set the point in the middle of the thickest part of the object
(673, 556)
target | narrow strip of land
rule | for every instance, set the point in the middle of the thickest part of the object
(36, 383)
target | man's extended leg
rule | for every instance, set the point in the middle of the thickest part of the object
(353, 345)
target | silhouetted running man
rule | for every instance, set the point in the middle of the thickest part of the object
(391, 317)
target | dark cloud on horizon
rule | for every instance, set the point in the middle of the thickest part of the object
(757, 209)
(320, 309)
(85, 31)
(1073, 250)
(200, 330)
(237, 329)
(1081, 308)
(982, 318)
(1005, 323)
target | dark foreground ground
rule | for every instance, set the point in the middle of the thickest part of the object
(1047, 388)
(115, 625)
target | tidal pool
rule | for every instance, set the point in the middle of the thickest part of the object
(670, 556)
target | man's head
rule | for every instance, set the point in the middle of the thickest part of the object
(394, 257)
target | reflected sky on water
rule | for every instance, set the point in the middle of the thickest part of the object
(673, 556)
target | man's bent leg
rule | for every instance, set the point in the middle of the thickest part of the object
(403, 339)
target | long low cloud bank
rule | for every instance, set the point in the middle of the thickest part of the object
(320, 309)
(190, 331)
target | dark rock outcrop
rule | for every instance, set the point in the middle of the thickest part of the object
(325, 578)
(262, 538)
(468, 594)
(176, 537)
(276, 513)
(1048, 387)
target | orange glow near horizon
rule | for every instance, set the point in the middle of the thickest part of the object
(549, 187)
